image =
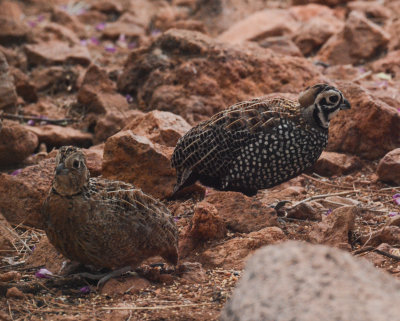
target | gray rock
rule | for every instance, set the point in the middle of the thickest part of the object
(303, 282)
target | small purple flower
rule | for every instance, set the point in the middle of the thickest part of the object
(80, 11)
(155, 32)
(43, 274)
(95, 41)
(40, 18)
(16, 172)
(32, 24)
(100, 26)
(84, 42)
(129, 98)
(122, 38)
(391, 214)
(329, 211)
(132, 45)
(85, 289)
(110, 48)
(31, 122)
(176, 218)
(396, 198)
(398, 109)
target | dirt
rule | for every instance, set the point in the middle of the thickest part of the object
(82, 72)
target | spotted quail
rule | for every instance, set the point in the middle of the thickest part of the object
(104, 223)
(258, 143)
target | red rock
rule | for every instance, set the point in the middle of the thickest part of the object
(331, 3)
(98, 93)
(160, 127)
(357, 131)
(393, 221)
(24, 87)
(388, 64)
(14, 58)
(192, 272)
(260, 25)
(7, 89)
(282, 45)
(343, 72)
(56, 52)
(291, 188)
(16, 143)
(55, 79)
(57, 136)
(12, 31)
(107, 6)
(374, 10)
(72, 22)
(112, 122)
(335, 227)
(8, 237)
(233, 253)
(194, 76)
(15, 293)
(389, 167)
(46, 255)
(359, 40)
(55, 31)
(131, 285)
(331, 163)
(10, 276)
(135, 159)
(131, 31)
(393, 29)
(308, 12)
(304, 211)
(241, 213)
(11, 10)
(387, 234)
(94, 159)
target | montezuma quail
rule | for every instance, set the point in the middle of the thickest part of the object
(103, 223)
(259, 143)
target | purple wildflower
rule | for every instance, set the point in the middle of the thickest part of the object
(129, 98)
(396, 198)
(43, 274)
(176, 218)
(132, 45)
(122, 38)
(40, 18)
(329, 211)
(84, 42)
(31, 122)
(110, 48)
(85, 289)
(100, 26)
(32, 24)
(155, 32)
(16, 172)
(95, 41)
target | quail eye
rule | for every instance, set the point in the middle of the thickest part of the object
(333, 99)
(323, 101)
(76, 164)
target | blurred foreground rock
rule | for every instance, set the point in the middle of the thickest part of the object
(7, 89)
(303, 282)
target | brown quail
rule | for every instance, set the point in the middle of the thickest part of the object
(259, 143)
(104, 223)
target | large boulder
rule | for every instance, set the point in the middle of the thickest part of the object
(389, 167)
(369, 129)
(194, 76)
(303, 282)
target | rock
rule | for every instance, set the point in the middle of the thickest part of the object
(233, 253)
(112, 122)
(132, 31)
(304, 211)
(360, 40)
(56, 52)
(284, 191)
(24, 87)
(7, 88)
(204, 225)
(331, 163)
(135, 159)
(388, 64)
(331, 3)
(387, 234)
(55, 79)
(316, 282)
(242, 213)
(94, 159)
(130, 285)
(192, 75)
(45, 255)
(357, 131)
(10, 276)
(281, 45)
(260, 25)
(62, 17)
(343, 72)
(192, 273)
(98, 93)
(373, 10)
(335, 227)
(389, 167)
(393, 221)
(394, 29)
(160, 127)
(15, 293)
(57, 136)
(60, 32)
(16, 143)
(12, 31)
(8, 237)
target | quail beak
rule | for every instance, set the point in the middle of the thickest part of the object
(60, 170)
(345, 105)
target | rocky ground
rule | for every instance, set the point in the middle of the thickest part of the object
(125, 79)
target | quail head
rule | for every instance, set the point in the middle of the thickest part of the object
(259, 143)
(104, 223)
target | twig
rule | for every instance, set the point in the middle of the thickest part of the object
(63, 121)
(371, 248)
(325, 183)
(157, 307)
(316, 197)
(362, 76)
